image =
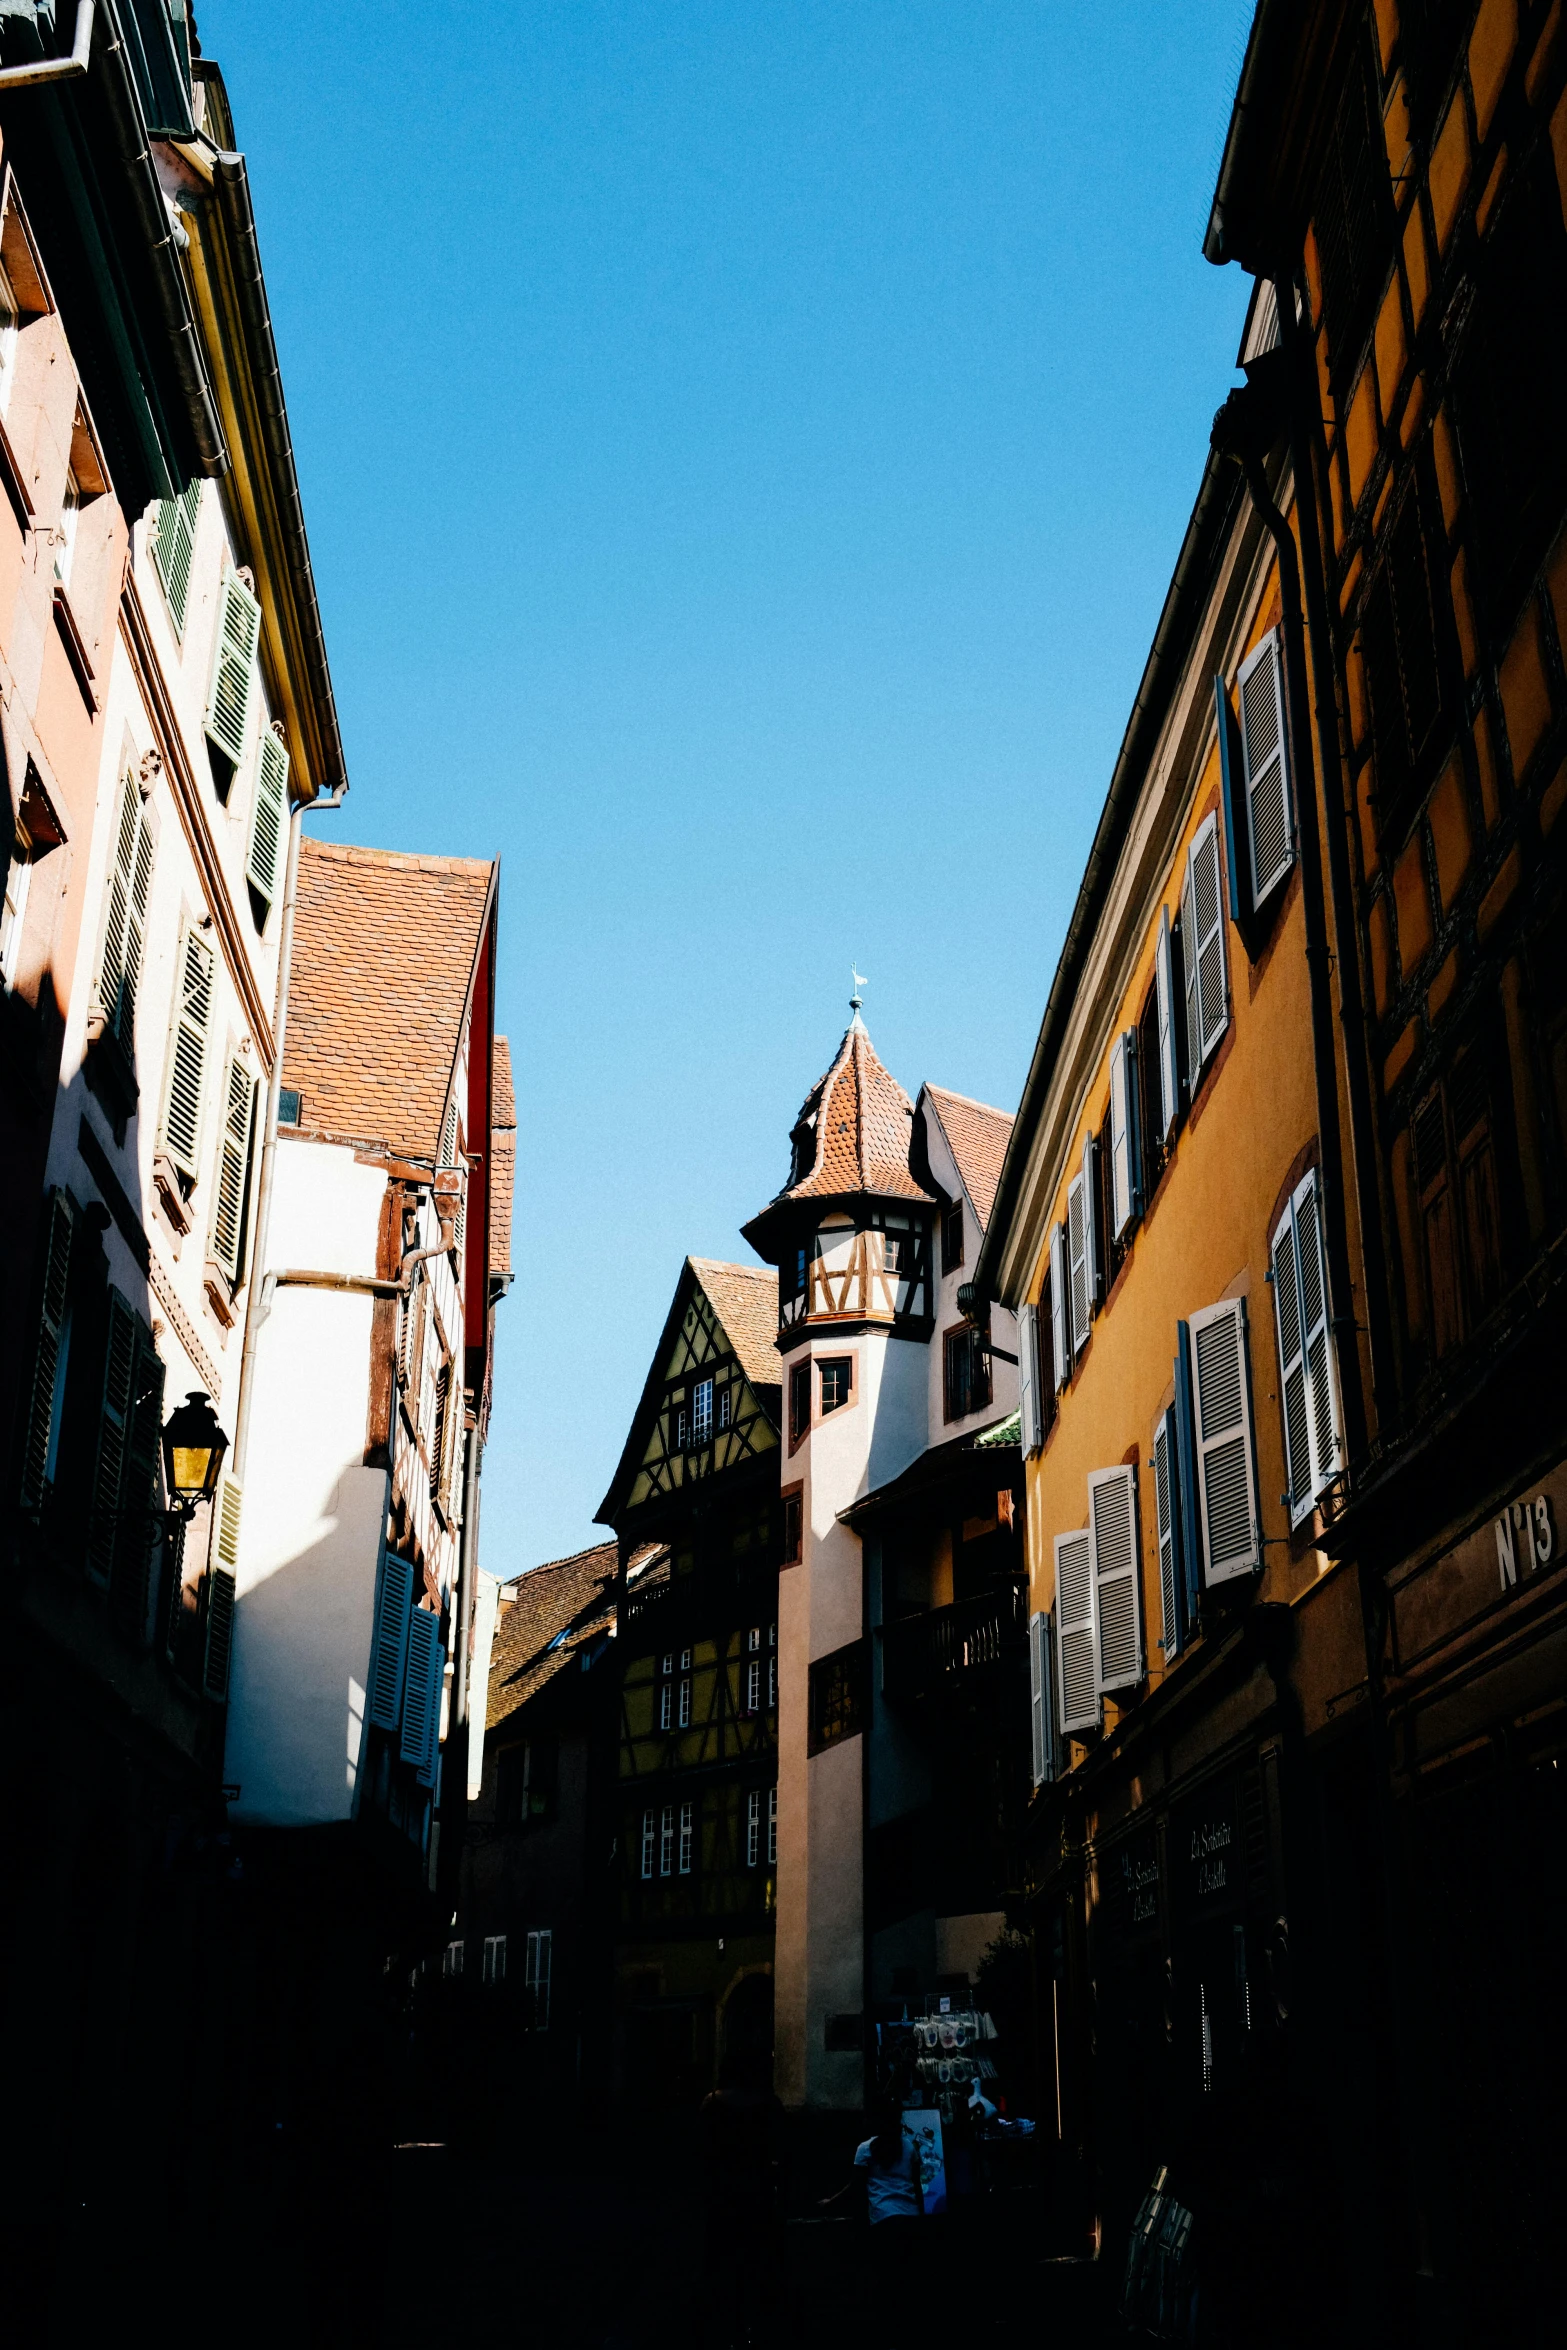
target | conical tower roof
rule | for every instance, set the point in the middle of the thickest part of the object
(852, 1136)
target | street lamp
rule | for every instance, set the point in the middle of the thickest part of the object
(193, 1450)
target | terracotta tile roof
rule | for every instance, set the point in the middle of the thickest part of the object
(860, 1122)
(574, 1597)
(503, 1158)
(745, 1299)
(384, 950)
(978, 1136)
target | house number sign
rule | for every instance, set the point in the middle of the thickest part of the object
(1525, 1539)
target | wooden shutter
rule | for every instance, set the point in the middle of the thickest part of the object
(1293, 1403)
(1118, 1598)
(188, 1055)
(1042, 1699)
(233, 663)
(228, 1217)
(135, 1535)
(130, 883)
(1202, 946)
(1167, 1489)
(53, 1303)
(1060, 1349)
(268, 817)
(1226, 1449)
(1313, 1445)
(1265, 754)
(1077, 1249)
(1030, 1417)
(112, 1435)
(1075, 1642)
(1126, 1174)
(424, 1648)
(393, 1603)
(173, 542)
(220, 1634)
(430, 1757)
(1169, 1067)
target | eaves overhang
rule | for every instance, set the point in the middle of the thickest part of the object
(1260, 203)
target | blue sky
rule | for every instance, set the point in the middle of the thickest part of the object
(744, 448)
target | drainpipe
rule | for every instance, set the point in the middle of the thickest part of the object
(55, 69)
(1248, 424)
(256, 1311)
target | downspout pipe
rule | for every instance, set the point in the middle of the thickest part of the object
(45, 70)
(1245, 428)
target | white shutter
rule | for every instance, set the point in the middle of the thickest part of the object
(1164, 987)
(1060, 1351)
(1077, 1250)
(233, 662)
(391, 1641)
(220, 1634)
(1226, 1449)
(1202, 944)
(228, 1220)
(268, 817)
(228, 1510)
(1118, 1608)
(188, 1055)
(1293, 1402)
(1093, 1238)
(1126, 1188)
(1029, 1415)
(1265, 756)
(1075, 1643)
(54, 1298)
(1166, 1467)
(424, 1650)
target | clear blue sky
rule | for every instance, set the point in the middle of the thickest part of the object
(744, 447)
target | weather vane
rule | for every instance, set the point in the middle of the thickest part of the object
(860, 982)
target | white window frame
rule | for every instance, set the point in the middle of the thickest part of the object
(1308, 1383)
(753, 1828)
(538, 1967)
(649, 1843)
(702, 1412)
(772, 1827)
(1060, 1309)
(1205, 963)
(1265, 761)
(1126, 1173)
(666, 1842)
(687, 1836)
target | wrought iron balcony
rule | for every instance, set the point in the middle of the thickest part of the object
(948, 1648)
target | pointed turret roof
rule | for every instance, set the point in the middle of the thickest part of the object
(853, 1133)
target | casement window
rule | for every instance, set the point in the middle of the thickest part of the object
(1403, 674)
(666, 1841)
(952, 1237)
(966, 1367)
(1170, 1027)
(799, 1401)
(772, 1827)
(666, 1695)
(649, 1838)
(1078, 1219)
(233, 669)
(130, 884)
(1150, 1105)
(268, 821)
(453, 1955)
(1173, 1564)
(894, 1246)
(687, 1838)
(172, 533)
(1353, 215)
(231, 1210)
(1118, 1583)
(1030, 1416)
(1307, 1397)
(753, 1828)
(1042, 1699)
(684, 1708)
(837, 1377)
(394, 1603)
(1202, 950)
(421, 1691)
(793, 1528)
(1223, 1444)
(835, 1697)
(1269, 828)
(1126, 1157)
(1076, 1644)
(188, 1055)
(44, 1392)
(1061, 1346)
(753, 1670)
(538, 1963)
(702, 1412)
(18, 880)
(525, 1782)
(494, 1959)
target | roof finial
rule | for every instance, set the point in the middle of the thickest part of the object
(855, 1000)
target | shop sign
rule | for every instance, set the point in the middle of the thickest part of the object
(1206, 1849)
(1131, 1885)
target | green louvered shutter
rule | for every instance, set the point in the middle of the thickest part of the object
(228, 1220)
(173, 543)
(220, 1635)
(233, 666)
(268, 818)
(188, 1055)
(130, 885)
(133, 1540)
(38, 1425)
(113, 1436)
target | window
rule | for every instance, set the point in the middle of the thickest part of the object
(18, 875)
(772, 1670)
(648, 1839)
(1398, 640)
(772, 1826)
(799, 1402)
(452, 1959)
(725, 1407)
(952, 1237)
(967, 1372)
(837, 1373)
(793, 1528)
(753, 1827)
(666, 1695)
(666, 1842)
(1168, 993)
(753, 1686)
(894, 1251)
(1176, 1596)
(494, 1960)
(685, 1689)
(130, 881)
(1309, 1406)
(1202, 950)
(1126, 1157)
(835, 1696)
(536, 1979)
(65, 540)
(687, 1837)
(702, 1412)
(1150, 1101)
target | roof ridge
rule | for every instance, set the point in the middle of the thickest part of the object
(572, 1559)
(343, 852)
(723, 1265)
(970, 1101)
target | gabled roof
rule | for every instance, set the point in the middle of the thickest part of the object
(745, 1299)
(385, 948)
(858, 1124)
(978, 1136)
(503, 1158)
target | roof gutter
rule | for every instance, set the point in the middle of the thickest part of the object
(1218, 498)
(45, 70)
(1216, 243)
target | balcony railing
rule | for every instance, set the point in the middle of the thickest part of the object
(947, 1646)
